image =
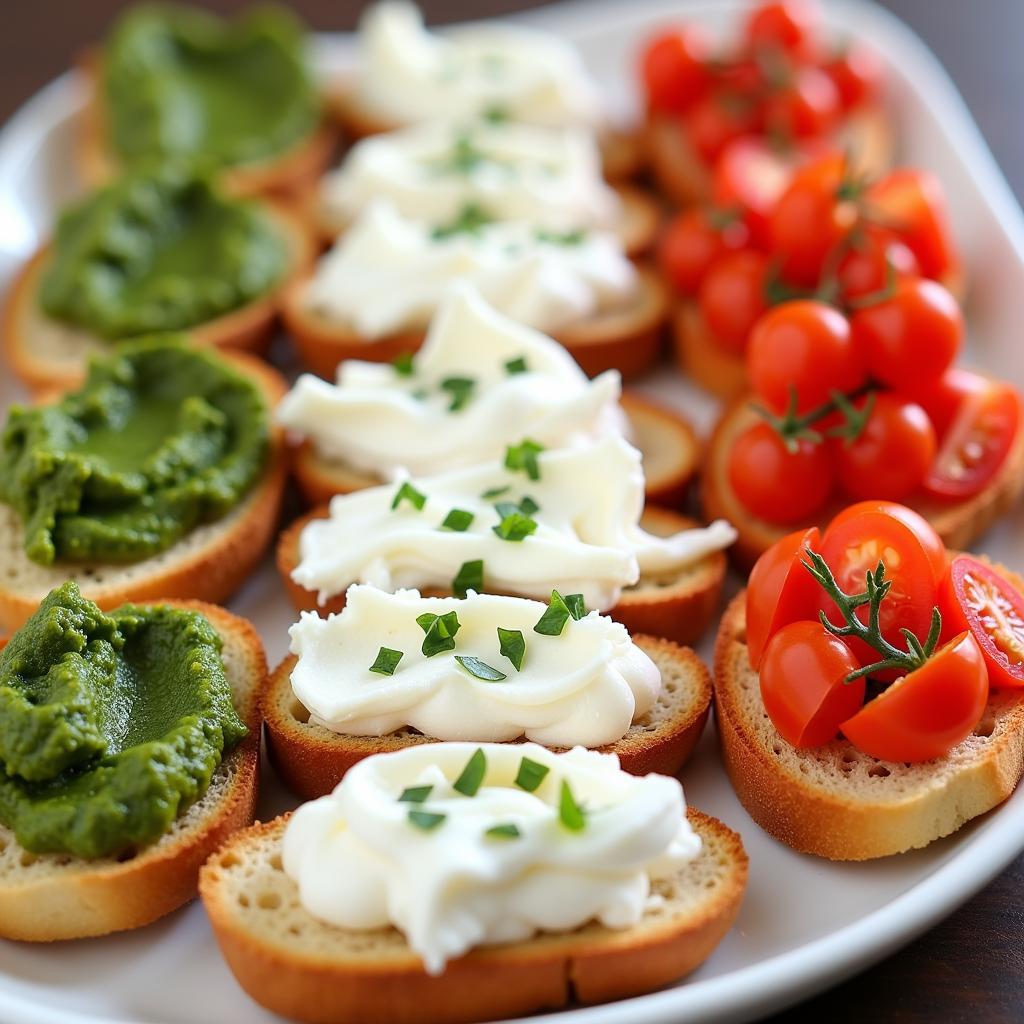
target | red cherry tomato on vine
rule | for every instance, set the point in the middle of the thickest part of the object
(926, 713)
(973, 597)
(873, 258)
(912, 336)
(715, 120)
(693, 240)
(732, 297)
(750, 177)
(803, 683)
(893, 453)
(775, 484)
(802, 347)
(674, 69)
(780, 590)
(789, 25)
(858, 74)
(808, 107)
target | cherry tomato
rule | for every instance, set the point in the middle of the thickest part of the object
(803, 683)
(912, 202)
(780, 590)
(858, 74)
(674, 70)
(893, 453)
(732, 297)
(912, 336)
(777, 485)
(943, 397)
(693, 240)
(804, 347)
(808, 107)
(977, 442)
(750, 176)
(933, 545)
(875, 254)
(924, 714)
(975, 598)
(811, 219)
(790, 25)
(716, 119)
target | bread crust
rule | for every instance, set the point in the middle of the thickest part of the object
(212, 572)
(679, 608)
(311, 760)
(87, 899)
(840, 822)
(248, 328)
(958, 523)
(590, 965)
(702, 358)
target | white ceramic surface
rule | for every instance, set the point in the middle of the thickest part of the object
(805, 923)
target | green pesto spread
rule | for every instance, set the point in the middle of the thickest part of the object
(161, 438)
(178, 81)
(110, 725)
(159, 250)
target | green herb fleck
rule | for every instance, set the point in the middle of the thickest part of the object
(460, 389)
(469, 577)
(507, 830)
(531, 774)
(557, 613)
(495, 492)
(480, 669)
(569, 812)
(495, 114)
(408, 493)
(514, 366)
(386, 661)
(560, 237)
(576, 606)
(458, 519)
(426, 821)
(512, 645)
(528, 506)
(523, 457)
(415, 794)
(402, 364)
(515, 526)
(440, 632)
(470, 219)
(472, 775)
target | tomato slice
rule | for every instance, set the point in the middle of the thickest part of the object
(976, 442)
(780, 590)
(927, 712)
(975, 598)
(750, 176)
(803, 683)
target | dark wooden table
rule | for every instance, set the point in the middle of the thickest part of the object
(971, 967)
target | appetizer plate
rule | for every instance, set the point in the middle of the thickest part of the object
(806, 923)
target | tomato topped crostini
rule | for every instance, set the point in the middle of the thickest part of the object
(869, 686)
(782, 82)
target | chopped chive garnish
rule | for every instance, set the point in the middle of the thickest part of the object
(523, 456)
(507, 830)
(494, 492)
(569, 812)
(472, 775)
(469, 577)
(460, 389)
(495, 113)
(458, 519)
(440, 632)
(408, 493)
(514, 366)
(512, 645)
(425, 820)
(420, 394)
(402, 364)
(531, 774)
(574, 237)
(577, 609)
(528, 506)
(480, 669)
(515, 526)
(386, 661)
(555, 616)
(415, 794)
(470, 219)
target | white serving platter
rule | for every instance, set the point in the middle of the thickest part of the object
(806, 923)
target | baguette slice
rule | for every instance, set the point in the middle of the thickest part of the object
(670, 449)
(311, 759)
(47, 897)
(626, 337)
(47, 353)
(679, 606)
(959, 523)
(707, 363)
(306, 970)
(209, 564)
(835, 801)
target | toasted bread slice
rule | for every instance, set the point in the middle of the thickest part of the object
(46, 353)
(678, 607)
(959, 523)
(667, 441)
(835, 801)
(46, 897)
(306, 970)
(702, 359)
(626, 337)
(312, 759)
(209, 564)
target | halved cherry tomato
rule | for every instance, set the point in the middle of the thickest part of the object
(803, 683)
(780, 590)
(750, 176)
(932, 543)
(808, 107)
(974, 597)
(914, 335)
(693, 240)
(924, 714)
(716, 119)
(874, 255)
(976, 444)
(858, 73)
(942, 398)
(804, 348)
(777, 485)
(674, 69)
(732, 297)
(892, 455)
(789, 25)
